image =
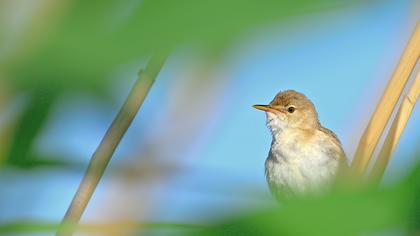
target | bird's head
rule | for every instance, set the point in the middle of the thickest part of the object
(290, 109)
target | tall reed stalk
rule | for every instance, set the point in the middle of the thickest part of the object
(382, 114)
(396, 130)
(109, 143)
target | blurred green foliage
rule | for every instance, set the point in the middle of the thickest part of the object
(356, 211)
(32, 119)
(89, 39)
(352, 210)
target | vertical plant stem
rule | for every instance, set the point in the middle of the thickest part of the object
(109, 143)
(386, 105)
(396, 130)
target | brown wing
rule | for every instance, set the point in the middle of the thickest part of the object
(336, 141)
(332, 134)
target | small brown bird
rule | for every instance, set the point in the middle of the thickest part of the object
(304, 156)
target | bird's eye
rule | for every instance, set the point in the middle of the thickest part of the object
(291, 109)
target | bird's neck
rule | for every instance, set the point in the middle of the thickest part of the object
(291, 134)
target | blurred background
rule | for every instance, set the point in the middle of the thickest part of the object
(196, 149)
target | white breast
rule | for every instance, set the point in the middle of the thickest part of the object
(298, 166)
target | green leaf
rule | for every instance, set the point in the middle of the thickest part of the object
(33, 118)
(93, 38)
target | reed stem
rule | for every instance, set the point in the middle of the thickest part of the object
(109, 143)
(382, 114)
(396, 130)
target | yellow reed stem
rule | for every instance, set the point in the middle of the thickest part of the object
(396, 130)
(382, 114)
(101, 157)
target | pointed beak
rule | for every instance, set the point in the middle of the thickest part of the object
(263, 108)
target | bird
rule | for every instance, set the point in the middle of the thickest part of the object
(305, 158)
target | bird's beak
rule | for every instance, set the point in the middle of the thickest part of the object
(266, 108)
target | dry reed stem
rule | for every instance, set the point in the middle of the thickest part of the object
(396, 130)
(382, 114)
(109, 143)
(165, 140)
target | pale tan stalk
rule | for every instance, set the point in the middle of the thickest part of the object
(109, 143)
(382, 114)
(396, 130)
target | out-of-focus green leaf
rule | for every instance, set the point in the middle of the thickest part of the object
(38, 226)
(359, 211)
(345, 213)
(30, 124)
(92, 37)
